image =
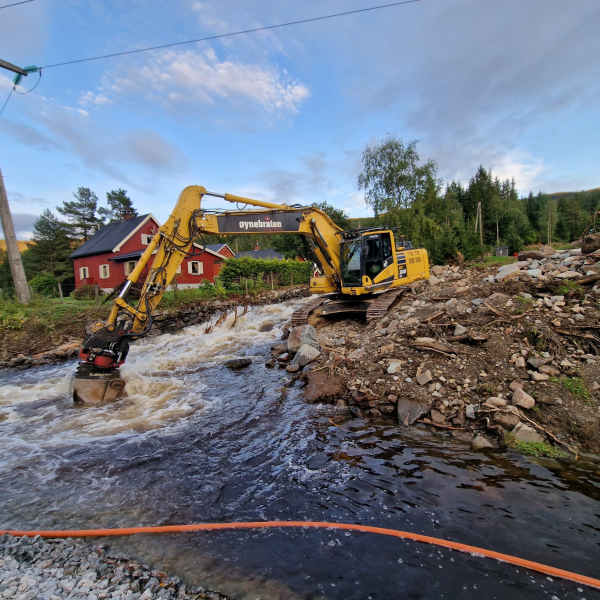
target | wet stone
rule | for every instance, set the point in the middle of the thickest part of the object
(409, 410)
(238, 363)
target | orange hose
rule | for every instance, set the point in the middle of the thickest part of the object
(527, 564)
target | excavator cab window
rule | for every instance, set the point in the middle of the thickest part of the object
(350, 255)
(373, 255)
(387, 249)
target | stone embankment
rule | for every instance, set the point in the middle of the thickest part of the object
(165, 321)
(486, 359)
(56, 569)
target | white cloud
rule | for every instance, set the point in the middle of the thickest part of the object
(521, 167)
(94, 99)
(187, 78)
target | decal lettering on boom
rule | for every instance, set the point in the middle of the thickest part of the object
(252, 222)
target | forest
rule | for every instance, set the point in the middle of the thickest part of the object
(452, 220)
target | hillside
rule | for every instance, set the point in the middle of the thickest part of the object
(22, 245)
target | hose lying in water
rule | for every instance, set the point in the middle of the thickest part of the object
(527, 564)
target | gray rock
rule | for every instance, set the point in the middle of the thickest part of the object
(299, 336)
(460, 330)
(536, 363)
(433, 280)
(496, 402)
(525, 433)
(357, 354)
(424, 378)
(470, 411)
(394, 368)
(539, 376)
(238, 363)
(477, 301)
(479, 443)
(437, 270)
(507, 420)
(522, 399)
(305, 355)
(409, 410)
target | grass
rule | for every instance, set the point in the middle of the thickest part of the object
(534, 448)
(495, 261)
(576, 385)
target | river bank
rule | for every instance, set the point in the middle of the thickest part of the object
(490, 358)
(52, 569)
(39, 340)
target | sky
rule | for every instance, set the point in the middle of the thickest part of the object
(285, 114)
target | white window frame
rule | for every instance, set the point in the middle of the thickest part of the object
(179, 270)
(200, 267)
(107, 271)
(146, 239)
(84, 273)
(128, 271)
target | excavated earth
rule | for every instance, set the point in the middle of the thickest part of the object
(473, 354)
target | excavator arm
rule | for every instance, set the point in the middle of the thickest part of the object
(106, 347)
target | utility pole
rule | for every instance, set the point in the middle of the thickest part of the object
(12, 248)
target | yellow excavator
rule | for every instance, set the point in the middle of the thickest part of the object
(363, 271)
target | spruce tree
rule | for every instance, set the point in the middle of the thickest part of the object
(80, 213)
(118, 202)
(49, 249)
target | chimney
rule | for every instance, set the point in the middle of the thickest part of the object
(125, 215)
(256, 246)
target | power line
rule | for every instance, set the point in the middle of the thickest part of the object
(9, 95)
(16, 3)
(224, 35)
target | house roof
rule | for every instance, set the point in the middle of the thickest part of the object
(217, 247)
(128, 256)
(267, 253)
(110, 237)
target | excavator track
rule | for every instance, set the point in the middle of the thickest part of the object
(379, 308)
(300, 316)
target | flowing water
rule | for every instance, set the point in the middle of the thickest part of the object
(195, 442)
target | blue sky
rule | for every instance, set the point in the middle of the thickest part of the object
(285, 114)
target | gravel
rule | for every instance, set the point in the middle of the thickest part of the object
(52, 569)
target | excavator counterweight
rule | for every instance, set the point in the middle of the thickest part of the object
(363, 271)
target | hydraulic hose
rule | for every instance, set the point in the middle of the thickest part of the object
(521, 562)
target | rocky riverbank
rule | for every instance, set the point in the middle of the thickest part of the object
(501, 358)
(63, 346)
(53, 569)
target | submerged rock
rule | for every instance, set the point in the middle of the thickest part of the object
(238, 363)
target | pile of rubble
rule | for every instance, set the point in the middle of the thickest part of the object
(547, 264)
(470, 358)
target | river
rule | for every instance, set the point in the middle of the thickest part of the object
(195, 442)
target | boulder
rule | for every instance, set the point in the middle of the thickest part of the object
(549, 370)
(238, 363)
(409, 410)
(515, 385)
(496, 402)
(507, 420)
(547, 250)
(305, 334)
(437, 417)
(568, 275)
(508, 272)
(322, 386)
(590, 243)
(525, 433)
(479, 443)
(437, 270)
(538, 376)
(522, 399)
(305, 355)
(433, 280)
(533, 255)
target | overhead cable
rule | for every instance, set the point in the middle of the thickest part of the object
(224, 35)
(16, 3)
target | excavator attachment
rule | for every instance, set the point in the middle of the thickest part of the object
(93, 386)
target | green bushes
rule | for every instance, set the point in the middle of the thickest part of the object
(258, 273)
(45, 284)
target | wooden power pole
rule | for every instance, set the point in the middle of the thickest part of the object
(12, 247)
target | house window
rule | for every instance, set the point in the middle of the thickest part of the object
(179, 269)
(83, 273)
(195, 267)
(130, 266)
(146, 239)
(104, 272)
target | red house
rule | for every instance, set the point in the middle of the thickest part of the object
(112, 253)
